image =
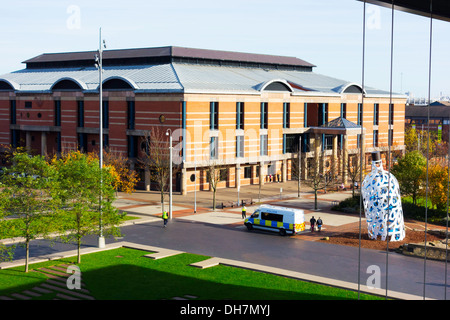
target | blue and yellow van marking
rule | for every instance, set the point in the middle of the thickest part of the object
(276, 224)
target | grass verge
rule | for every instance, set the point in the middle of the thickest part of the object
(125, 274)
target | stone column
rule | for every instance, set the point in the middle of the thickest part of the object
(334, 160)
(43, 143)
(237, 179)
(147, 179)
(183, 181)
(317, 151)
(304, 165)
(345, 160)
(284, 170)
(262, 173)
(28, 140)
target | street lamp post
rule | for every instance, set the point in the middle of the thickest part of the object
(195, 180)
(99, 65)
(169, 133)
(299, 163)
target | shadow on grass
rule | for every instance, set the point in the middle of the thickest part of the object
(124, 274)
(10, 277)
(130, 282)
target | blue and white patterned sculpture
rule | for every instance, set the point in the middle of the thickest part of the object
(382, 203)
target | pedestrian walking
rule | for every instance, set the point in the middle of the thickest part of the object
(319, 224)
(165, 216)
(244, 212)
(313, 222)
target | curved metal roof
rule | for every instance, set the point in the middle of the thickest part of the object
(187, 78)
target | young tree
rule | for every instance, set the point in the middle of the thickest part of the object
(215, 172)
(318, 177)
(354, 169)
(437, 184)
(416, 140)
(156, 159)
(6, 252)
(124, 179)
(26, 197)
(409, 171)
(85, 194)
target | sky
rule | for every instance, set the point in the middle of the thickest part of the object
(326, 33)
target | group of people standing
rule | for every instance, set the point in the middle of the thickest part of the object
(317, 222)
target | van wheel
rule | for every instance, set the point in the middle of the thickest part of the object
(249, 226)
(282, 232)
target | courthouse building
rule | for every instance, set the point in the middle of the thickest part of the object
(242, 111)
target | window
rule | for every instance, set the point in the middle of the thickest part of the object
(239, 115)
(264, 115)
(214, 148)
(263, 145)
(132, 147)
(82, 142)
(391, 136)
(106, 140)
(58, 142)
(305, 115)
(344, 110)
(240, 146)
(323, 113)
(286, 115)
(271, 216)
(131, 115)
(328, 142)
(360, 115)
(223, 174)
(14, 138)
(375, 138)
(13, 112)
(214, 116)
(391, 114)
(28, 104)
(58, 113)
(376, 114)
(105, 115)
(247, 172)
(80, 114)
(291, 143)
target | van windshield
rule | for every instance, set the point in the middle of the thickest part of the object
(255, 214)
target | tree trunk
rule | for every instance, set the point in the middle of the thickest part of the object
(79, 250)
(27, 254)
(315, 199)
(214, 199)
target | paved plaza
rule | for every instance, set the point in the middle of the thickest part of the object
(197, 206)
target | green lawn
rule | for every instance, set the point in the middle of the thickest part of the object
(123, 274)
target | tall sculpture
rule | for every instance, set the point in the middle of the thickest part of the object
(382, 203)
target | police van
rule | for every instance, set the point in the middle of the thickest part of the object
(279, 219)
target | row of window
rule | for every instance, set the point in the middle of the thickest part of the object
(322, 114)
(424, 121)
(80, 113)
(240, 145)
(214, 114)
